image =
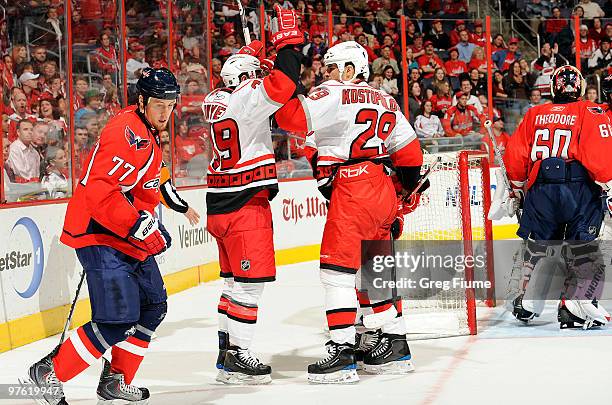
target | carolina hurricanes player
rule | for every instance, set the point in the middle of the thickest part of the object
(355, 128)
(558, 159)
(241, 181)
(110, 223)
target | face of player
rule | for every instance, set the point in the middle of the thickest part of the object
(158, 112)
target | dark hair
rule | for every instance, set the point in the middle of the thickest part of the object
(24, 120)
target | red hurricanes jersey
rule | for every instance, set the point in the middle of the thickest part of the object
(120, 177)
(579, 131)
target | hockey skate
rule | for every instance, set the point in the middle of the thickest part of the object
(365, 343)
(338, 367)
(112, 389)
(42, 376)
(390, 356)
(521, 313)
(241, 367)
(581, 314)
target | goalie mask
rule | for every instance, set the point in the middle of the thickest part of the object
(238, 65)
(345, 53)
(567, 84)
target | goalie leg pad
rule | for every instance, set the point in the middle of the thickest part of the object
(582, 314)
(586, 276)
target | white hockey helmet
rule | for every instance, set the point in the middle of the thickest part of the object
(237, 65)
(348, 52)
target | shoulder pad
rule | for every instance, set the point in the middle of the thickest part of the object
(215, 104)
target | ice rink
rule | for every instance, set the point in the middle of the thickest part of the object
(504, 364)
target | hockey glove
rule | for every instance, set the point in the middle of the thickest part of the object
(267, 64)
(255, 49)
(147, 230)
(288, 33)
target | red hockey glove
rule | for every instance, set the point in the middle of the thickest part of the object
(267, 64)
(288, 31)
(147, 230)
(255, 48)
(407, 206)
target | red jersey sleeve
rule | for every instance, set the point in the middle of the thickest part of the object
(516, 157)
(595, 146)
(114, 168)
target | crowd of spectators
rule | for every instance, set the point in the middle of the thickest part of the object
(445, 75)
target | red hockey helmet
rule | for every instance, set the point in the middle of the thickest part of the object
(567, 84)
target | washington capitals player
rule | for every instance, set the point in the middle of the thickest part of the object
(355, 127)
(110, 223)
(241, 180)
(558, 159)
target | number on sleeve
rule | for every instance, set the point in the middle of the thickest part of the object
(226, 144)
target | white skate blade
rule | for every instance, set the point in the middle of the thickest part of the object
(393, 368)
(376, 321)
(338, 377)
(121, 402)
(233, 378)
(25, 381)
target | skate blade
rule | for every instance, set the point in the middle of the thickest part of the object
(338, 377)
(233, 378)
(102, 401)
(393, 368)
(26, 381)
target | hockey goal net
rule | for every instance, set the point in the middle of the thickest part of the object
(454, 208)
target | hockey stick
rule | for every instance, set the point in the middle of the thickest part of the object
(489, 126)
(424, 177)
(243, 20)
(69, 319)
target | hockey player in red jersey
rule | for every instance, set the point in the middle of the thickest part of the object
(110, 223)
(355, 128)
(557, 162)
(241, 180)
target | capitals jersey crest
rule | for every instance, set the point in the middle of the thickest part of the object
(135, 140)
(596, 110)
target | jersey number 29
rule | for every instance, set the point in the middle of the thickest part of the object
(364, 146)
(227, 144)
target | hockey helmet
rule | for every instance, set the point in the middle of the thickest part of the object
(236, 66)
(345, 53)
(567, 84)
(606, 88)
(158, 83)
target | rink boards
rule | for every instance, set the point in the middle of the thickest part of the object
(39, 275)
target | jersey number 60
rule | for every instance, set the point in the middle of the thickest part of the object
(542, 148)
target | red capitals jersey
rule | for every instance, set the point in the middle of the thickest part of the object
(579, 131)
(120, 178)
(461, 122)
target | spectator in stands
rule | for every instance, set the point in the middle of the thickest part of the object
(317, 47)
(504, 58)
(548, 57)
(49, 70)
(135, 64)
(601, 58)
(591, 9)
(23, 158)
(19, 104)
(318, 69)
(411, 33)
(415, 75)
(38, 58)
(49, 113)
(415, 98)
(495, 112)
(578, 11)
(54, 24)
(384, 60)
(105, 56)
(428, 125)
(587, 45)
(216, 73)
(554, 25)
(454, 34)
(362, 40)
(389, 83)
(318, 27)
(7, 172)
(83, 33)
(454, 67)
(439, 78)
(93, 127)
(430, 61)
(93, 103)
(370, 25)
(597, 31)
(479, 84)
(5, 42)
(29, 85)
(498, 43)
(383, 15)
(19, 56)
(537, 11)
(376, 81)
(8, 75)
(442, 99)
(354, 7)
(591, 94)
(55, 173)
(166, 153)
(81, 86)
(465, 47)
(459, 119)
(478, 37)
(306, 83)
(516, 84)
(39, 137)
(437, 36)
(55, 87)
(191, 42)
(467, 91)
(5, 126)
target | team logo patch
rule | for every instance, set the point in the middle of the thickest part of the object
(595, 110)
(130, 331)
(245, 264)
(592, 230)
(151, 184)
(135, 140)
